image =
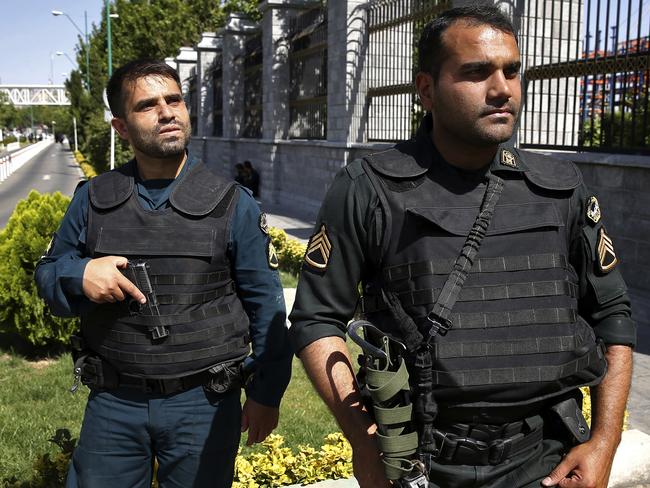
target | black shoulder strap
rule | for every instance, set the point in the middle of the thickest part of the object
(439, 315)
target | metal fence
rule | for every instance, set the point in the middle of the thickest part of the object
(217, 96)
(587, 75)
(394, 27)
(192, 102)
(308, 75)
(253, 87)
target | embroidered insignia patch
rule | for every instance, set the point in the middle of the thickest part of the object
(593, 210)
(49, 247)
(319, 249)
(607, 259)
(272, 256)
(508, 159)
(264, 226)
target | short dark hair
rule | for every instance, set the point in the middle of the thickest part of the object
(131, 72)
(431, 49)
(248, 164)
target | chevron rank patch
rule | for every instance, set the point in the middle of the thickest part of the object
(319, 249)
(272, 255)
(508, 159)
(607, 259)
(593, 210)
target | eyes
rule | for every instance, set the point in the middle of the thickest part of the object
(478, 72)
(173, 101)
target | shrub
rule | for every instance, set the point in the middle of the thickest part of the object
(290, 251)
(22, 242)
(9, 139)
(84, 164)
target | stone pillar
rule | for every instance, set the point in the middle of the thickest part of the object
(207, 50)
(185, 61)
(346, 65)
(171, 62)
(237, 26)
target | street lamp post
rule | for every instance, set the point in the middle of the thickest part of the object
(109, 43)
(57, 13)
(61, 53)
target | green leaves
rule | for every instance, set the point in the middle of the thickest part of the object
(22, 242)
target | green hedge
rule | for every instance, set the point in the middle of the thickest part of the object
(22, 242)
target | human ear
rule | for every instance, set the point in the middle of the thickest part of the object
(424, 86)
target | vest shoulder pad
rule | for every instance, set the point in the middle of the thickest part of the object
(551, 173)
(396, 162)
(200, 191)
(355, 169)
(110, 189)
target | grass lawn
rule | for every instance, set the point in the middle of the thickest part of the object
(35, 401)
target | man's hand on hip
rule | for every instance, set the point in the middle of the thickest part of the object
(259, 420)
(587, 465)
(103, 282)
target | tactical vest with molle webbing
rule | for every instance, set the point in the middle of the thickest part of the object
(184, 247)
(516, 336)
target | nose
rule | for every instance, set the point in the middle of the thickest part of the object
(499, 86)
(165, 112)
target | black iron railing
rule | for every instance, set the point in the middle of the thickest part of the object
(217, 97)
(587, 75)
(253, 87)
(394, 27)
(308, 75)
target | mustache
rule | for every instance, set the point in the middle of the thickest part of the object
(508, 107)
(161, 128)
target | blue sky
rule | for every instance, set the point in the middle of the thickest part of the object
(29, 34)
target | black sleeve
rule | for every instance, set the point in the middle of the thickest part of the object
(602, 298)
(327, 296)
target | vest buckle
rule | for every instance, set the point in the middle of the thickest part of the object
(159, 332)
(437, 326)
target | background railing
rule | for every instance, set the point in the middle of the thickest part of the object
(308, 75)
(217, 96)
(253, 87)
(394, 27)
(587, 74)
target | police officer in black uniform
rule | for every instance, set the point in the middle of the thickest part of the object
(171, 269)
(488, 269)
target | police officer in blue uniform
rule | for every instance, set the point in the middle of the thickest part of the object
(173, 274)
(489, 283)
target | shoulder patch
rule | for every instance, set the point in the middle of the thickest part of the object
(607, 259)
(272, 256)
(508, 158)
(550, 173)
(264, 226)
(593, 210)
(319, 249)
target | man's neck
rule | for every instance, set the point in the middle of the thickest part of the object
(461, 154)
(159, 168)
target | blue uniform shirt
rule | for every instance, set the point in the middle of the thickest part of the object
(59, 276)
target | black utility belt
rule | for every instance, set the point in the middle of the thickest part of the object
(97, 374)
(481, 445)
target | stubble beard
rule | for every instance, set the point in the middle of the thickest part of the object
(154, 145)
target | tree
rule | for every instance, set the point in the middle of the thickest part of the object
(145, 28)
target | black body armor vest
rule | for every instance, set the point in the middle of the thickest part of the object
(185, 248)
(517, 337)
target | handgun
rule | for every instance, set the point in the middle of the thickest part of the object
(138, 273)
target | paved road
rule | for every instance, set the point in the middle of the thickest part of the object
(53, 169)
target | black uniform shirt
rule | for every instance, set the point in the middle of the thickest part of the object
(326, 299)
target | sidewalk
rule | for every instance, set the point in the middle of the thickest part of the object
(632, 462)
